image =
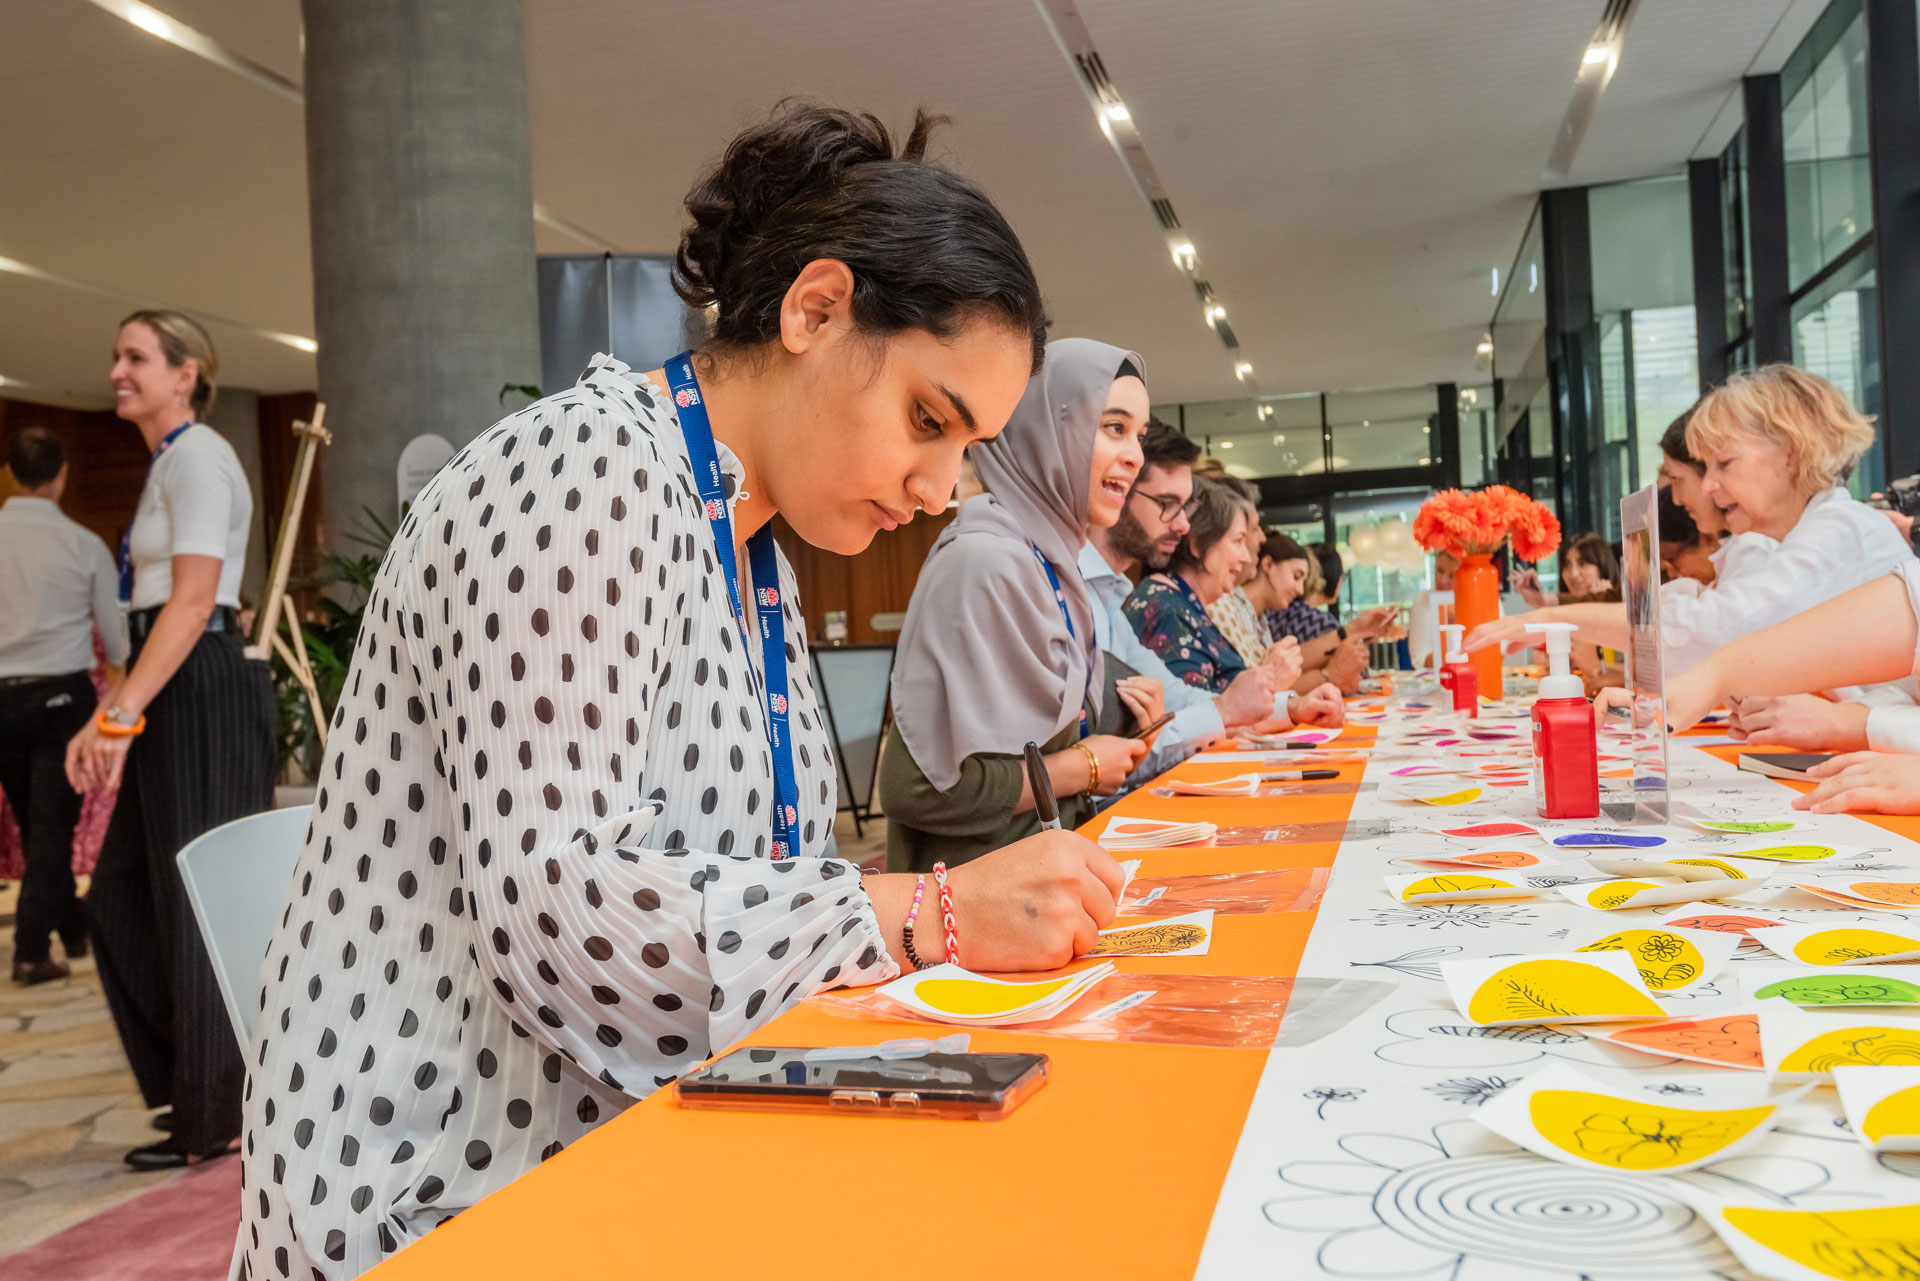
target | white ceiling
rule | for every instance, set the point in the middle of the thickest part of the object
(1349, 169)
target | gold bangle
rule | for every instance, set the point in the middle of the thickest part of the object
(1093, 767)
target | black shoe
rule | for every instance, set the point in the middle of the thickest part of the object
(162, 1122)
(31, 972)
(167, 1154)
(163, 1155)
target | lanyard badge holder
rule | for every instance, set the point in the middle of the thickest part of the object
(766, 593)
(1060, 599)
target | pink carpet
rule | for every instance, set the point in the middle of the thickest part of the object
(180, 1231)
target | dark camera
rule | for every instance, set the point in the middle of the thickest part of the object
(1902, 496)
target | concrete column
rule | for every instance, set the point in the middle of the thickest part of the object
(422, 217)
(236, 416)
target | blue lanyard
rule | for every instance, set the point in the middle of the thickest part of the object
(766, 592)
(126, 535)
(1060, 599)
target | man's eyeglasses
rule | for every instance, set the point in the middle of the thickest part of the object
(1169, 505)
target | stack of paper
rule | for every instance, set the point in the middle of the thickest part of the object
(1153, 834)
(949, 994)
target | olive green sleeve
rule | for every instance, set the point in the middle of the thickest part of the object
(978, 805)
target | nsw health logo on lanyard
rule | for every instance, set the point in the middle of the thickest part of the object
(766, 577)
(126, 535)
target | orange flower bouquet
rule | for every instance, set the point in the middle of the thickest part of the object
(1481, 522)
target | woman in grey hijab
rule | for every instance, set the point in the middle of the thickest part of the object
(998, 648)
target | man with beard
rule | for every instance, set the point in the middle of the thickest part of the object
(1152, 522)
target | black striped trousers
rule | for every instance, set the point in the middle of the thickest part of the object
(206, 758)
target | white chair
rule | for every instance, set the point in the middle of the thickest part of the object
(236, 878)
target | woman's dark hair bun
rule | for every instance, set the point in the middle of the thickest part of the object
(927, 249)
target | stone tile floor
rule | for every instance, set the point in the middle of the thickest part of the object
(69, 1109)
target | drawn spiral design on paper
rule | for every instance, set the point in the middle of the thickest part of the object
(1546, 1217)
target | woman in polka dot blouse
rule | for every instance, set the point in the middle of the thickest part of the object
(537, 884)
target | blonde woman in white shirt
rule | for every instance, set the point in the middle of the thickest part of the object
(1774, 445)
(188, 735)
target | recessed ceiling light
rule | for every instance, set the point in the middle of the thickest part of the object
(1216, 312)
(1485, 347)
(1226, 444)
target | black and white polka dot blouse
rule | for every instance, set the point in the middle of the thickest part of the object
(536, 885)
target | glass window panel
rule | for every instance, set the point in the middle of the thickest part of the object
(1520, 331)
(1476, 436)
(1383, 580)
(1642, 244)
(1836, 335)
(1733, 231)
(1382, 428)
(1823, 117)
(1666, 381)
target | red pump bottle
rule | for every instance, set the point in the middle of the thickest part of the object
(1566, 762)
(1456, 673)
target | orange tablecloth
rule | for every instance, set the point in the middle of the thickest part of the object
(1112, 1170)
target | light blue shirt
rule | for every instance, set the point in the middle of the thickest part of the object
(1196, 720)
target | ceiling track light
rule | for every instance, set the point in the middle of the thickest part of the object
(1597, 64)
(1075, 41)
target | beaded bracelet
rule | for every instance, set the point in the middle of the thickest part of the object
(906, 931)
(946, 913)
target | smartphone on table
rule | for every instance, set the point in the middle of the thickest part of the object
(973, 1087)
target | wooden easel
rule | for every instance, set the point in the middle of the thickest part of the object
(311, 435)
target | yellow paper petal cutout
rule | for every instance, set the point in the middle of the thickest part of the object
(1540, 991)
(1628, 1134)
(1451, 798)
(973, 997)
(1733, 873)
(1614, 893)
(1877, 1241)
(1861, 1045)
(1897, 1114)
(1456, 884)
(1838, 946)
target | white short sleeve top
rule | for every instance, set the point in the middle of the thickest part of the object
(196, 503)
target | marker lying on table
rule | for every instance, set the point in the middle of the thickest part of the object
(1299, 775)
(1042, 789)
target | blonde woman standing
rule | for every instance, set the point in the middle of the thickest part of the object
(188, 736)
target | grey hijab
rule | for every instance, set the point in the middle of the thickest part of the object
(986, 662)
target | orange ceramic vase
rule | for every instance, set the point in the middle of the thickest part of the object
(1476, 600)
